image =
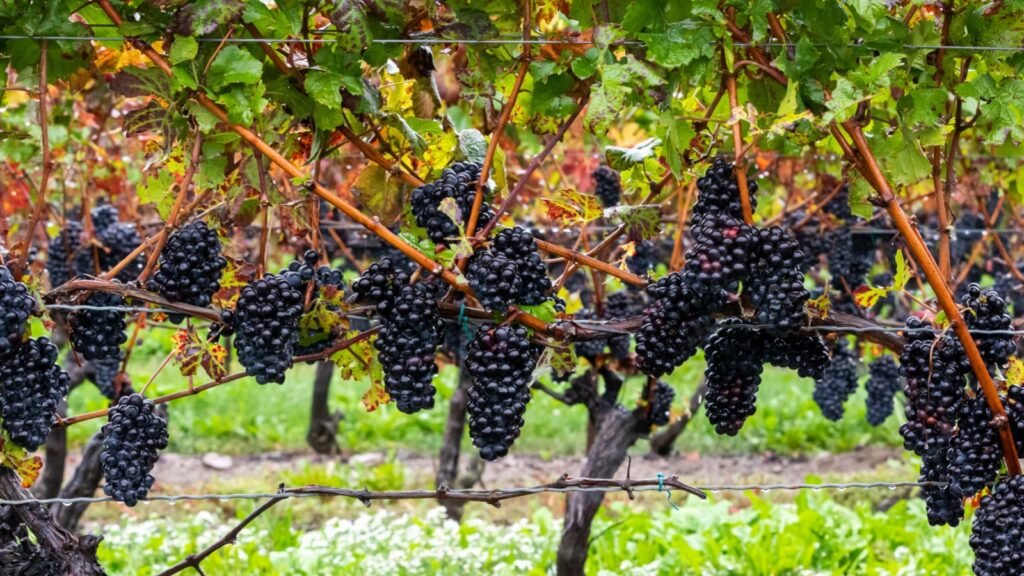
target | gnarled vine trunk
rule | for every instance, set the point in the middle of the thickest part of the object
(663, 442)
(323, 424)
(82, 484)
(451, 449)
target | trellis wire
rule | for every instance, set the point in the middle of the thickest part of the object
(505, 41)
(713, 488)
(126, 309)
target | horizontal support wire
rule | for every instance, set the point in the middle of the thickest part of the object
(442, 494)
(504, 41)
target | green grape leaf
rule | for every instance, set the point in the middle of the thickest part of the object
(379, 193)
(324, 88)
(234, 66)
(641, 222)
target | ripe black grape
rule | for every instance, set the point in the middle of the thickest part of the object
(16, 305)
(974, 453)
(500, 361)
(776, 284)
(998, 525)
(644, 258)
(837, 382)
(719, 191)
(31, 388)
(407, 345)
(607, 186)
(459, 183)
(733, 375)
(935, 370)
(986, 310)
(805, 353)
(62, 254)
(660, 410)
(668, 337)
(882, 386)
(190, 266)
(132, 439)
(943, 507)
(266, 324)
(97, 334)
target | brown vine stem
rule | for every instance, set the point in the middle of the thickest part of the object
(172, 218)
(780, 33)
(44, 181)
(580, 258)
(737, 133)
(531, 168)
(506, 113)
(919, 251)
(67, 291)
(941, 198)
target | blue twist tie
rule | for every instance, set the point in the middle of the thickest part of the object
(464, 322)
(668, 493)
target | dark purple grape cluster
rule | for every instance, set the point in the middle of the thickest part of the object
(132, 438)
(31, 388)
(623, 304)
(659, 412)
(733, 375)
(974, 453)
(190, 266)
(882, 385)
(266, 325)
(935, 369)
(104, 375)
(850, 257)
(378, 282)
(998, 525)
(607, 186)
(942, 506)
(407, 344)
(519, 246)
(776, 284)
(837, 383)
(459, 183)
(313, 337)
(500, 361)
(96, 333)
(494, 279)
(589, 349)
(16, 305)
(719, 192)
(644, 258)
(804, 353)
(674, 326)
(63, 252)
(986, 310)
(117, 240)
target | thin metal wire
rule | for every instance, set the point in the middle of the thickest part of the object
(456, 492)
(127, 309)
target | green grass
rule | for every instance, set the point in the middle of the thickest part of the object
(243, 417)
(811, 535)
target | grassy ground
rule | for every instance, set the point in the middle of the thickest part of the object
(245, 418)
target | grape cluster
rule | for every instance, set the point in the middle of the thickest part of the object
(500, 361)
(132, 439)
(776, 284)
(117, 241)
(987, 311)
(644, 258)
(733, 375)
(974, 453)
(623, 304)
(519, 246)
(943, 507)
(494, 279)
(674, 325)
(882, 386)
(998, 525)
(104, 376)
(589, 349)
(837, 382)
(31, 388)
(935, 370)
(16, 305)
(719, 192)
(190, 266)
(407, 344)
(607, 186)
(98, 334)
(850, 257)
(969, 230)
(62, 253)
(660, 410)
(804, 353)
(314, 336)
(459, 183)
(266, 325)
(411, 331)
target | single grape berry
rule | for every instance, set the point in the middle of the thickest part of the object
(998, 525)
(266, 324)
(97, 334)
(457, 182)
(837, 382)
(607, 186)
(31, 388)
(132, 439)
(16, 305)
(494, 279)
(519, 246)
(500, 361)
(63, 253)
(190, 266)
(733, 375)
(882, 386)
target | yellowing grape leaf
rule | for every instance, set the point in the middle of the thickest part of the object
(1015, 372)
(26, 465)
(820, 306)
(867, 296)
(192, 351)
(572, 208)
(902, 272)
